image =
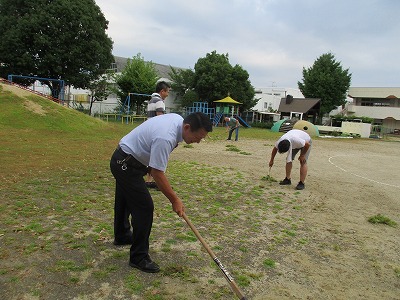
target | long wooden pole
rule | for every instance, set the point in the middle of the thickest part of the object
(228, 276)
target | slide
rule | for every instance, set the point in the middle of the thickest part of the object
(242, 122)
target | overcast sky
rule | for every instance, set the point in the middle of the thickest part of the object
(271, 39)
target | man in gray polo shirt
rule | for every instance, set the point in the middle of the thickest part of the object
(147, 149)
(156, 107)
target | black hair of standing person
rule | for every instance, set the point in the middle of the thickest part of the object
(162, 85)
(198, 120)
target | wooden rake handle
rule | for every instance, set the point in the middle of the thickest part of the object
(228, 276)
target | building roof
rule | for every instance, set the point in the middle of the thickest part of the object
(301, 105)
(374, 92)
(162, 70)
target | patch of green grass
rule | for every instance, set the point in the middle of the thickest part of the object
(180, 271)
(243, 249)
(269, 263)
(74, 279)
(244, 153)
(381, 219)
(289, 232)
(69, 265)
(189, 237)
(232, 148)
(303, 241)
(104, 273)
(133, 284)
(243, 280)
(269, 178)
(397, 272)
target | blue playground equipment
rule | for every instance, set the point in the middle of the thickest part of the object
(61, 83)
(201, 107)
(215, 117)
(125, 108)
(241, 121)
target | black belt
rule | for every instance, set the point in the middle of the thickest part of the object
(119, 149)
(130, 160)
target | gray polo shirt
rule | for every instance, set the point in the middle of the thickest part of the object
(156, 104)
(152, 142)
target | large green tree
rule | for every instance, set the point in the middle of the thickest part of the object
(215, 78)
(58, 39)
(183, 86)
(138, 77)
(327, 80)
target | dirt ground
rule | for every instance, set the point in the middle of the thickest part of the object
(348, 182)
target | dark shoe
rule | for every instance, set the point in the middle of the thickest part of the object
(300, 186)
(122, 242)
(151, 185)
(285, 182)
(228, 139)
(146, 265)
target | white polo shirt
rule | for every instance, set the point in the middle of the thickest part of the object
(297, 139)
(152, 142)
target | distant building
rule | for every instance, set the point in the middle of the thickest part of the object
(266, 109)
(307, 109)
(270, 97)
(380, 103)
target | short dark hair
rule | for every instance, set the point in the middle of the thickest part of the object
(198, 120)
(283, 146)
(162, 85)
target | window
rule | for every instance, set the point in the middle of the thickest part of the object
(374, 102)
(113, 67)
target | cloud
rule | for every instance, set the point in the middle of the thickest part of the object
(272, 39)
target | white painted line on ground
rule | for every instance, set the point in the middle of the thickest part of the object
(354, 174)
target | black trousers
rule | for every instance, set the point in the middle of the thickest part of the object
(132, 198)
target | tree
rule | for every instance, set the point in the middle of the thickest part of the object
(63, 39)
(138, 77)
(215, 78)
(327, 80)
(242, 89)
(183, 86)
(99, 89)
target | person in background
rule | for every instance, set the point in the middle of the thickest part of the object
(292, 142)
(156, 107)
(147, 149)
(233, 125)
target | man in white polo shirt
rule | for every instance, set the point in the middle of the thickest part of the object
(292, 142)
(147, 149)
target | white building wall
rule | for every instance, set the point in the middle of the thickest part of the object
(363, 129)
(374, 111)
(270, 97)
